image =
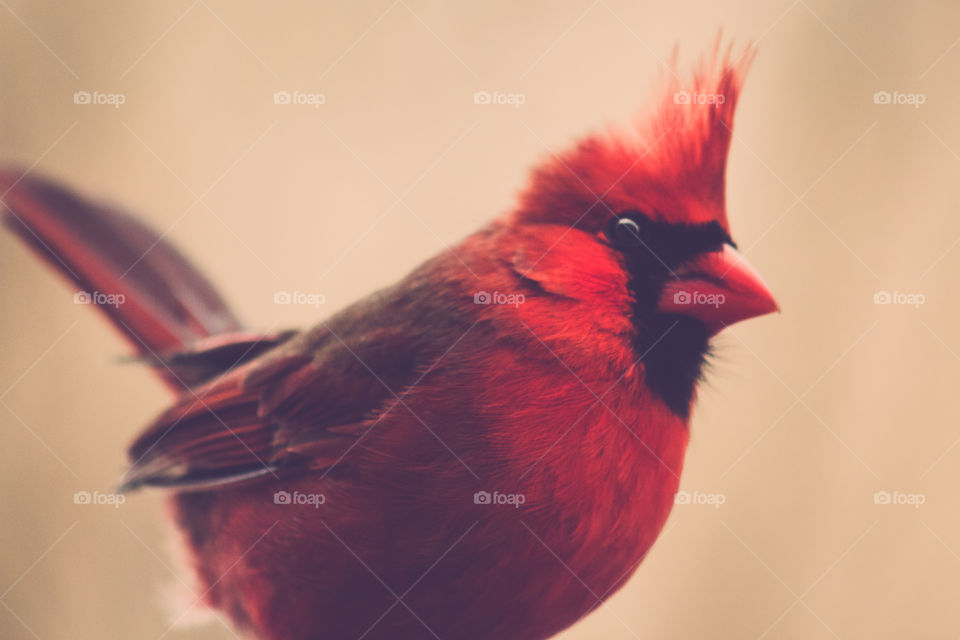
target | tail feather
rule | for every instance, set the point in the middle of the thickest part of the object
(150, 292)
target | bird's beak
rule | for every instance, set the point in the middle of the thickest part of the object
(719, 289)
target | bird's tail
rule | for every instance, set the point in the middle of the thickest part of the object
(147, 289)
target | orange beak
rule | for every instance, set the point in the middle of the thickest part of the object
(719, 289)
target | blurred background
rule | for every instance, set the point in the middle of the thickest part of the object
(330, 147)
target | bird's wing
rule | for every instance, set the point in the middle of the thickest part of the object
(300, 406)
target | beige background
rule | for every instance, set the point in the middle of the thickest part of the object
(805, 416)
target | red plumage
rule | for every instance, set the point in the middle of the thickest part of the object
(401, 408)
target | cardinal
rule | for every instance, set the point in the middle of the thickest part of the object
(486, 449)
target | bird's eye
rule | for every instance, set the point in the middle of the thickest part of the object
(624, 232)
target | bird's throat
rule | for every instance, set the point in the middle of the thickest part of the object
(672, 348)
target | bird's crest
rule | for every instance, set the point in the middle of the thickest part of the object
(671, 165)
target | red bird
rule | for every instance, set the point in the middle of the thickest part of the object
(487, 448)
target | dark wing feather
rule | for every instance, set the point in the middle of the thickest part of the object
(301, 405)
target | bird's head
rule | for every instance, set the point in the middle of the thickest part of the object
(652, 199)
